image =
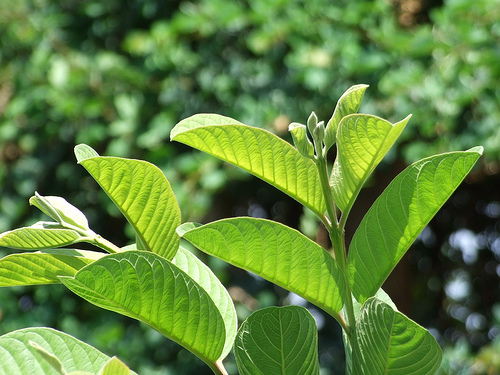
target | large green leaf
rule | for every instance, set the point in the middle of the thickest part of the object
(43, 267)
(348, 104)
(388, 343)
(21, 353)
(257, 151)
(362, 142)
(278, 340)
(204, 276)
(42, 235)
(149, 288)
(398, 216)
(275, 252)
(142, 193)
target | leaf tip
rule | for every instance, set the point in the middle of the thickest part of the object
(186, 227)
(84, 152)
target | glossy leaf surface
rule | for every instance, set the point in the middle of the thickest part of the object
(398, 216)
(362, 142)
(278, 340)
(43, 267)
(19, 357)
(149, 288)
(388, 343)
(257, 151)
(142, 193)
(275, 252)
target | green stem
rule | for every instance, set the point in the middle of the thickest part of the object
(218, 368)
(105, 244)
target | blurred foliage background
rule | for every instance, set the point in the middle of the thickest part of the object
(118, 75)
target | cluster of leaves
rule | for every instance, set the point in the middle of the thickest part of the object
(159, 282)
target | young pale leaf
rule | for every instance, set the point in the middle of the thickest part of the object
(387, 342)
(275, 252)
(61, 211)
(278, 340)
(115, 367)
(257, 151)
(18, 355)
(301, 140)
(52, 360)
(204, 276)
(39, 236)
(362, 142)
(398, 216)
(142, 193)
(43, 267)
(348, 104)
(149, 288)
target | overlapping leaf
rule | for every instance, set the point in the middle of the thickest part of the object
(348, 104)
(43, 267)
(39, 236)
(400, 214)
(275, 252)
(278, 340)
(387, 342)
(362, 142)
(142, 193)
(257, 151)
(147, 287)
(18, 353)
(204, 276)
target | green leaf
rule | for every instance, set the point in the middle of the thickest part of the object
(115, 367)
(275, 252)
(51, 359)
(61, 211)
(398, 216)
(362, 142)
(149, 288)
(204, 276)
(278, 340)
(43, 267)
(301, 140)
(257, 151)
(18, 355)
(387, 342)
(348, 104)
(143, 194)
(41, 235)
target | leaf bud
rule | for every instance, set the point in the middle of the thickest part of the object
(312, 121)
(301, 140)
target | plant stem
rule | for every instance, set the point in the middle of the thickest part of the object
(105, 244)
(218, 368)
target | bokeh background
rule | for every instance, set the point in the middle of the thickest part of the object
(119, 74)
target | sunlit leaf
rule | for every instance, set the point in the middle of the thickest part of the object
(43, 267)
(389, 343)
(204, 276)
(348, 104)
(142, 193)
(278, 340)
(20, 353)
(114, 367)
(275, 252)
(149, 288)
(257, 151)
(362, 142)
(398, 216)
(41, 235)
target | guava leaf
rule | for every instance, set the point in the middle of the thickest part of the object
(398, 216)
(149, 288)
(204, 276)
(142, 193)
(257, 151)
(115, 367)
(362, 142)
(18, 355)
(43, 267)
(348, 104)
(41, 235)
(278, 340)
(61, 211)
(389, 343)
(275, 252)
